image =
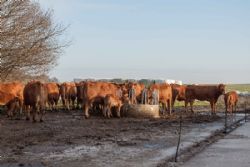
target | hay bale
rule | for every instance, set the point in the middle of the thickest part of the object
(141, 111)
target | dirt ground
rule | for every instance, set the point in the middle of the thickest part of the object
(65, 138)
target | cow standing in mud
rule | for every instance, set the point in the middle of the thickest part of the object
(53, 95)
(35, 98)
(79, 94)
(112, 102)
(231, 100)
(12, 102)
(209, 93)
(164, 95)
(68, 94)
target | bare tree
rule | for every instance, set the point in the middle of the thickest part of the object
(29, 38)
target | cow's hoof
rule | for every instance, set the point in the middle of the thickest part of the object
(86, 116)
(41, 120)
(34, 121)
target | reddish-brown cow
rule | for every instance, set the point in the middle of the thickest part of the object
(35, 98)
(231, 99)
(164, 95)
(12, 102)
(209, 93)
(68, 94)
(11, 91)
(53, 95)
(112, 102)
(178, 92)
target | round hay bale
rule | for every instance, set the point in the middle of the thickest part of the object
(141, 111)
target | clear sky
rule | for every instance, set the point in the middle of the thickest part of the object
(196, 41)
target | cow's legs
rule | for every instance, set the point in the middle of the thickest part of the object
(10, 110)
(186, 106)
(34, 112)
(191, 105)
(226, 107)
(212, 104)
(169, 106)
(73, 103)
(118, 111)
(109, 112)
(42, 112)
(86, 110)
(27, 112)
(104, 111)
(64, 103)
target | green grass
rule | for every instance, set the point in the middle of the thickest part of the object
(238, 87)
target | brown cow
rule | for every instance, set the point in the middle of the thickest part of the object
(53, 95)
(35, 98)
(68, 94)
(164, 92)
(231, 99)
(209, 93)
(93, 91)
(12, 102)
(112, 102)
(178, 92)
(14, 89)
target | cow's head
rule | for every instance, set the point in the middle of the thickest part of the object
(221, 88)
(181, 93)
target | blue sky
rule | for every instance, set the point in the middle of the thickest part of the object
(196, 41)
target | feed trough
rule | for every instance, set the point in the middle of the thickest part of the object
(141, 111)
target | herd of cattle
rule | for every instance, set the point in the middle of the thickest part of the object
(105, 96)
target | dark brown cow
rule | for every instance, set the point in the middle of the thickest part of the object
(79, 92)
(96, 91)
(35, 98)
(209, 93)
(178, 93)
(231, 99)
(68, 94)
(53, 95)
(112, 102)
(10, 91)
(164, 92)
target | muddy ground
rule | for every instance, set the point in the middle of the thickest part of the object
(66, 139)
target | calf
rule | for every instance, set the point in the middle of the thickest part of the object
(15, 89)
(111, 102)
(12, 102)
(231, 99)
